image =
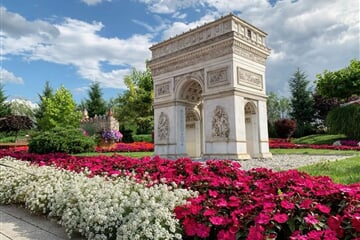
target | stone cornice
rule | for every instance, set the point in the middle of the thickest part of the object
(221, 46)
(224, 25)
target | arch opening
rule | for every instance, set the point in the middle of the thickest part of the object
(191, 94)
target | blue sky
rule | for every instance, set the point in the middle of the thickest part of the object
(76, 42)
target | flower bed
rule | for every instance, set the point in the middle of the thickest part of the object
(128, 147)
(97, 208)
(232, 203)
(280, 143)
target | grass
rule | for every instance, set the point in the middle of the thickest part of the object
(345, 171)
(319, 139)
(311, 151)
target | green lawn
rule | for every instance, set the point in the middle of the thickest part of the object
(313, 151)
(341, 171)
(319, 139)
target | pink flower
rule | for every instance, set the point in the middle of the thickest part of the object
(280, 217)
(323, 208)
(287, 205)
(306, 203)
(209, 212)
(217, 220)
(213, 193)
(262, 219)
(221, 203)
(226, 235)
(202, 230)
(311, 219)
(355, 222)
(255, 233)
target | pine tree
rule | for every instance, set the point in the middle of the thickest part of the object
(47, 93)
(95, 105)
(301, 102)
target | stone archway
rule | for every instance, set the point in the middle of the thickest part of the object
(209, 86)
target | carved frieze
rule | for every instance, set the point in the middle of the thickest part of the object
(217, 77)
(248, 78)
(220, 123)
(194, 57)
(163, 127)
(162, 89)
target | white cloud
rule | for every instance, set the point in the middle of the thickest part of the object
(180, 27)
(6, 76)
(94, 2)
(168, 6)
(78, 43)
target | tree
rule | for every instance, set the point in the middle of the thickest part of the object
(59, 111)
(22, 107)
(47, 93)
(340, 84)
(301, 103)
(134, 107)
(15, 123)
(95, 105)
(273, 108)
(4, 106)
(336, 87)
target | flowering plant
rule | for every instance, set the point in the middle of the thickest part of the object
(111, 135)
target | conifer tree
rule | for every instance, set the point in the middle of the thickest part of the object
(301, 102)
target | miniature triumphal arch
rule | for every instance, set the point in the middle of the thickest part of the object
(210, 99)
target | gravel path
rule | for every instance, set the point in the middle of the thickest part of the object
(291, 161)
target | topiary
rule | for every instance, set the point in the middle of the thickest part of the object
(68, 140)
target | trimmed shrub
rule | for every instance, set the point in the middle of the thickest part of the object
(345, 120)
(66, 140)
(285, 127)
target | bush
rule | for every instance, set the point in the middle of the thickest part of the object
(271, 130)
(143, 138)
(61, 140)
(345, 120)
(127, 135)
(285, 127)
